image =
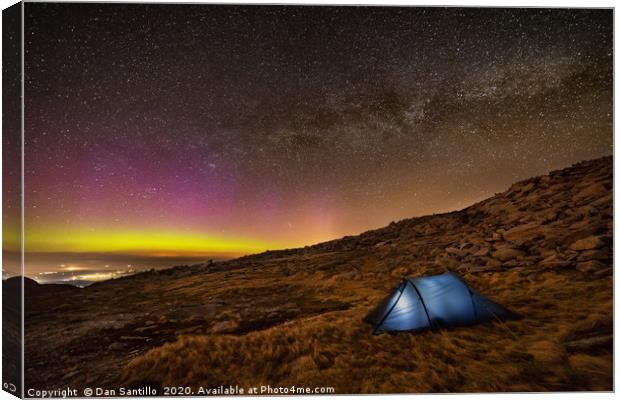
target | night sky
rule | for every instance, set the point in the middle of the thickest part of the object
(178, 130)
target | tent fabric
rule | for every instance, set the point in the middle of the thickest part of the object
(433, 302)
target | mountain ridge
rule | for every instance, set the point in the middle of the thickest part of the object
(542, 248)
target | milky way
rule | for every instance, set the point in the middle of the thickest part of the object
(241, 128)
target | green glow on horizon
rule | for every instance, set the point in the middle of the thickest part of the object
(131, 241)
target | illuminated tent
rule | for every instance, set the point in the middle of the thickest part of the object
(433, 302)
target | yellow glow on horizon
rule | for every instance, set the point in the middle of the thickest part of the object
(97, 276)
(169, 243)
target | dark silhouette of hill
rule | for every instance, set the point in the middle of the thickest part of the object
(12, 287)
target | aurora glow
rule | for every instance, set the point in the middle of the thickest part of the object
(146, 242)
(176, 133)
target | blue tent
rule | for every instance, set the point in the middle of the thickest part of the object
(433, 302)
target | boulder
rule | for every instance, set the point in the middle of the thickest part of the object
(353, 275)
(595, 254)
(135, 338)
(593, 191)
(493, 263)
(224, 326)
(485, 268)
(586, 211)
(604, 201)
(547, 252)
(589, 344)
(185, 331)
(455, 251)
(143, 329)
(589, 243)
(523, 233)
(482, 252)
(323, 359)
(550, 217)
(511, 264)
(527, 188)
(555, 261)
(604, 272)
(507, 253)
(70, 374)
(116, 346)
(465, 267)
(590, 266)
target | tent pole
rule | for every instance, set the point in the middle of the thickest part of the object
(374, 331)
(430, 323)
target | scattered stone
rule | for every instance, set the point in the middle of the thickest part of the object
(527, 188)
(554, 261)
(70, 374)
(428, 245)
(590, 266)
(595, 190)
(454, 251)
(493, 263)
(588, 344)
(604, 201)
(485, 268)
(552, 216)
(483, 252)
(511, 264)
(186, 330)
(224, 326)
(523, 233)
(465, 246)
(135, 338)
(323, 359)
(546, 252)
(143, 329)
(589, 243)
(116, 346)
(465, 267)
(347, 276)
(604, 272)
(586, 211)
(571, 255)
(596, 254)
(507, 253)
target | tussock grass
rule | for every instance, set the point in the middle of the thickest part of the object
(294, 317)
(337, 349)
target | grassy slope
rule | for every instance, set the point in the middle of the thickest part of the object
(294, 317)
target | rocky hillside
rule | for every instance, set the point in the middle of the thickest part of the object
(543, 249)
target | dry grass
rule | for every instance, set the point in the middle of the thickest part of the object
(294, 317)
(337, 349)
